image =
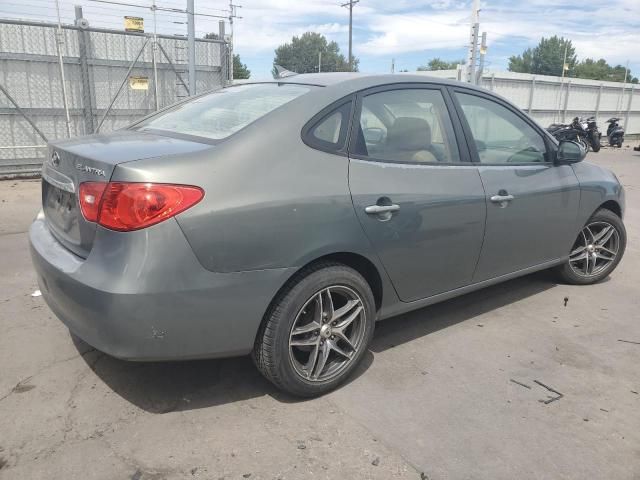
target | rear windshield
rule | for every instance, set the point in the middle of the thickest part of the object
(220, 114)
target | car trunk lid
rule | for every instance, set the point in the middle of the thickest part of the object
(93, 159)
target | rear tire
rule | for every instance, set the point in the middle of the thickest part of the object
(597, 250)
(317, 330)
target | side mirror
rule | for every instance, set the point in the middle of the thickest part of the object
(570, 152)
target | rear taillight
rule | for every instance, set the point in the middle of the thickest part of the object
(90, 194)
(127, 206)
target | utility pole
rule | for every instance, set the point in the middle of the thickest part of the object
(191, 42)
(232, 15)
(393, 65)
(473, 43)
(565, 67)
(350, 4)
(483, 52)
(320, 61)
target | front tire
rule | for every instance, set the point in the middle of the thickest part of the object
(597, 250)
(317, 330)
(595, 141)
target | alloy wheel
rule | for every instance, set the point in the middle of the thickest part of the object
(327, 333)
(595, 249)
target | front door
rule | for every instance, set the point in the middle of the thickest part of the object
(531, 203)
(417, 195)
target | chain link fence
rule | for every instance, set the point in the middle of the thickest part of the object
(110, 78)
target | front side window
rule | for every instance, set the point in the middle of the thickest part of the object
(406, 125)
(220, 114)
(500, 135)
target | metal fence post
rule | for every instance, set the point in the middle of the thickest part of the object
(626, 116)
(224, 54)
(598, 102)
(88, 98)
(191, 40)
(533, 88)
(493, 82)
(566, 102)
(63, 81)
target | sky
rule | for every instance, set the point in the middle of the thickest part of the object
(411, 32)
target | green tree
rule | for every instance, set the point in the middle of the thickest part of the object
(546, 58)
(240, 70)
(439, 64)
(590, 68)
(617, 75)
(601, 70)
(301, 55)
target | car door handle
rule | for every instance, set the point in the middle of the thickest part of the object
(377, 209)
(501, 198)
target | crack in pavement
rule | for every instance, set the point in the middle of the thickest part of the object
(47, 367)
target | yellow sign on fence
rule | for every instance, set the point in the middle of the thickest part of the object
(139, 83)
(134, 24)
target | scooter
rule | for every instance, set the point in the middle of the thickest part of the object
(615, 132)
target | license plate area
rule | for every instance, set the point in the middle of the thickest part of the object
(61, 210)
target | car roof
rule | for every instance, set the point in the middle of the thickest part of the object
(358, 81)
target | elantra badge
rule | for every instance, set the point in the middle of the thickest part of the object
(91, 170)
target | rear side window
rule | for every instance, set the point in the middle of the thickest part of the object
(329, 133)
(220, 114)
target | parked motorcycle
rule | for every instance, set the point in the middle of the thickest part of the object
(615, 132)
(593, 134)
(573, 131)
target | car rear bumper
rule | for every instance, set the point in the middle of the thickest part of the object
(144, 296)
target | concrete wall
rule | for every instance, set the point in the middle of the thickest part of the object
(554, 100)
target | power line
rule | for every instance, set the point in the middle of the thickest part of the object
(155, 7)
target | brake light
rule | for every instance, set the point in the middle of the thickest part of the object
(127, 206)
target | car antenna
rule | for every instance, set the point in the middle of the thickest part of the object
(281, 72)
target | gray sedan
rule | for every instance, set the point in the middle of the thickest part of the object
(284, 218)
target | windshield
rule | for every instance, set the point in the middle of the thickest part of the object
(220, 114)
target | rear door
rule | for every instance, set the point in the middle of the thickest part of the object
(531, 203)
(416, 193)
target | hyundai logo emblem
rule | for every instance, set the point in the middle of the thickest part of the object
(55, 159)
